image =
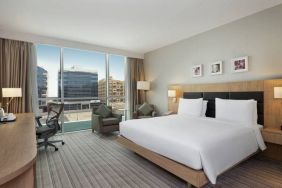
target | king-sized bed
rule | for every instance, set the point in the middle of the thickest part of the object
(204, 146)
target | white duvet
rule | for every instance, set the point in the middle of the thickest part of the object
(199, 143)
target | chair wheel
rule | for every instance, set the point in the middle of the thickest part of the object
(56, 149)
(63, 143)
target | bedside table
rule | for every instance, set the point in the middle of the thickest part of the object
(273, 139)
(272, 135)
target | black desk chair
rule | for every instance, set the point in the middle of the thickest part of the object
(52, 125)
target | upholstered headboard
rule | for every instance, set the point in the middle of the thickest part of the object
(210, 97)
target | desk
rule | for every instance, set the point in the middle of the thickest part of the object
(18, 152)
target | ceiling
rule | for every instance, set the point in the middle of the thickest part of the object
(134, 25)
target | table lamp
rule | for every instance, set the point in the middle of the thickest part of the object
(142, 85)
(172, 94)
(278, 95)
(11, 93)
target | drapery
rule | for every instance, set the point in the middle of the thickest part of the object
(18, 70)
(135, 72)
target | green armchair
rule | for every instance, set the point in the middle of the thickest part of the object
(138, 114)
(105, 124)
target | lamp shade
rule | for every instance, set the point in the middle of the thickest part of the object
(11, 92)
(171, 93)
(143, 85)
(278, 92)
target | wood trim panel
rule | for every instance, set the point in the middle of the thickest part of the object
(191, 176)
(272, 107)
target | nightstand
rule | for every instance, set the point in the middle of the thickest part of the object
(272, 135)
(273, 139)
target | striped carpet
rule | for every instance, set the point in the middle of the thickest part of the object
(91, 160)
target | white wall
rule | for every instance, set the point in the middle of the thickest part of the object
(64, 43)
(258, 36)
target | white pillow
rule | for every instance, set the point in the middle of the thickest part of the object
(240, 111)
(204, 108)
(190, 106)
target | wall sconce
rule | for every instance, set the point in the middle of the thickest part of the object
(172, 94)
(277, 92)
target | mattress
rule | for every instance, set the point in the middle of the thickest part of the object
(199, 143)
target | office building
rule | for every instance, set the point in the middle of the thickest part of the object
(79, 83)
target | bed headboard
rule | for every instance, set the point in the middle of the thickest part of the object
(269, 109)
(210, 97)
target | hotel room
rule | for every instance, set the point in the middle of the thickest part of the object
(130, 93)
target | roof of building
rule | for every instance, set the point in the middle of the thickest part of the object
(77, 68)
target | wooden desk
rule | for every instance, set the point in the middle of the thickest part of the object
(18, 152)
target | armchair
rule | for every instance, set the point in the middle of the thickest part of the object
(137, 114)
(107, 124)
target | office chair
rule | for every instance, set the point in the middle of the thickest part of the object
(52, 125)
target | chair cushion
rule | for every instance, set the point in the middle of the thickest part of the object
(110, 121)
(43, 130)
(146, 109)
(103, 111)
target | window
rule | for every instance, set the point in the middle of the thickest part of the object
(48, 61)
(116, 81)
(82, 71)
(81, 79)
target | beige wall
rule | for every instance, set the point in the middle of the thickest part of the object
(37, 39)
(258, 36)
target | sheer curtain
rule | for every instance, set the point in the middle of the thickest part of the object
(33, 80)
(134, 72)
(17, 69)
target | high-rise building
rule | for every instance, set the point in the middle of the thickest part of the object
(79, 83)
(42, 81)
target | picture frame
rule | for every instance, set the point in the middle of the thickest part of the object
(216, 68)
(197, 70)
(240, 64)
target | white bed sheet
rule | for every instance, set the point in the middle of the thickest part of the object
(199, 143)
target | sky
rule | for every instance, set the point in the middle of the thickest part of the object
(48, 57)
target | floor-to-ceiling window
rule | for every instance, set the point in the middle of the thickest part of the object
(116, 95)
(48, 66)
(81, 79)
(81, 72)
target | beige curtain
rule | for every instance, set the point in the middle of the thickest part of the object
(135, 72)
(15, 59)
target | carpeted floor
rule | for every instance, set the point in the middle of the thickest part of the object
(91, 160)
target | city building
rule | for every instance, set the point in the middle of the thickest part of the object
(42, 80)
(80, 87)
(116, 89)
(79, 83)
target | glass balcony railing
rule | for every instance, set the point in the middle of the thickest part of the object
(77, 112)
